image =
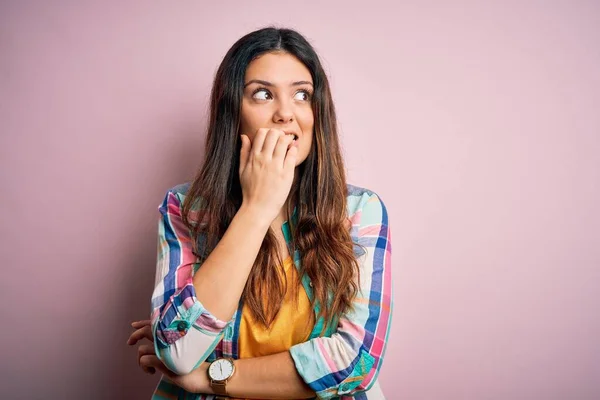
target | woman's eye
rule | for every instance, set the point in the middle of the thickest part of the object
(305, 93)
(264, 94)
(263, 97)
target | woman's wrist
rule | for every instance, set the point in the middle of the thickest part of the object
(203, 380)
(254, 216)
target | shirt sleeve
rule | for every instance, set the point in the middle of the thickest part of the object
(185, 333)
(348, 362)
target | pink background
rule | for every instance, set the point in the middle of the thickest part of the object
(477, 124)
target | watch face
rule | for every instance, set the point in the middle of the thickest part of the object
(220, 370)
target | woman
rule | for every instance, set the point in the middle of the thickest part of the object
(273, 276)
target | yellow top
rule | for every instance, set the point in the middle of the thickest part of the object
(292, 325)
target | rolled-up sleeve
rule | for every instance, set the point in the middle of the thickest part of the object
(185, 333)
(348, 362)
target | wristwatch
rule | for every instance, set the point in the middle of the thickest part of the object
(219, 372)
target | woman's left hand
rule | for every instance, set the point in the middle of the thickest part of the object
(194, 382)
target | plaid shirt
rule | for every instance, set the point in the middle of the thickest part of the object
(343, 362)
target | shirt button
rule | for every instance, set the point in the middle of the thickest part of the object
(181, 326)
(310, 284)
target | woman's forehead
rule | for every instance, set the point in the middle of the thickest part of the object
(280, 69)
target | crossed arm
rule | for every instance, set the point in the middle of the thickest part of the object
(185, 333)
(268, 377)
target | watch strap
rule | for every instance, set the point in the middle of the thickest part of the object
(219, 388)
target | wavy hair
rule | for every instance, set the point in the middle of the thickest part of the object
(322, 232)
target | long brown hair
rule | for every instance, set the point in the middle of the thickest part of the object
(322, 234)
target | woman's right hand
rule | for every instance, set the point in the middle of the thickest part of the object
(267, 171)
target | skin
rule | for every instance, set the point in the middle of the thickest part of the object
(267, 165)
(281, 99)
(285, 105)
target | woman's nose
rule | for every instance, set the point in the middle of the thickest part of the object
(284, 112)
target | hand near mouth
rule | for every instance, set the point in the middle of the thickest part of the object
(267, 170)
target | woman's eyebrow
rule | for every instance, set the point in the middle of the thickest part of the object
(266, 83)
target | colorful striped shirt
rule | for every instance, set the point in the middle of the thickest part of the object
(342, 362)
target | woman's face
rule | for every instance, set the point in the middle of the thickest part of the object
(278, 92)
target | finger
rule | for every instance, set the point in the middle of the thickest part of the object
(283, 144)
(244, 152)
(145, 332)
(271, 140)
(148, 364)
(259, 139)
(151, 361)
(145, 350)
(139, 324)
(163, 369)
(290, 158)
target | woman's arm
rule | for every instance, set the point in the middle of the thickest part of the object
(184, 292)
(268, 377)
(185, 331)
(349, 361)
(346, 363)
